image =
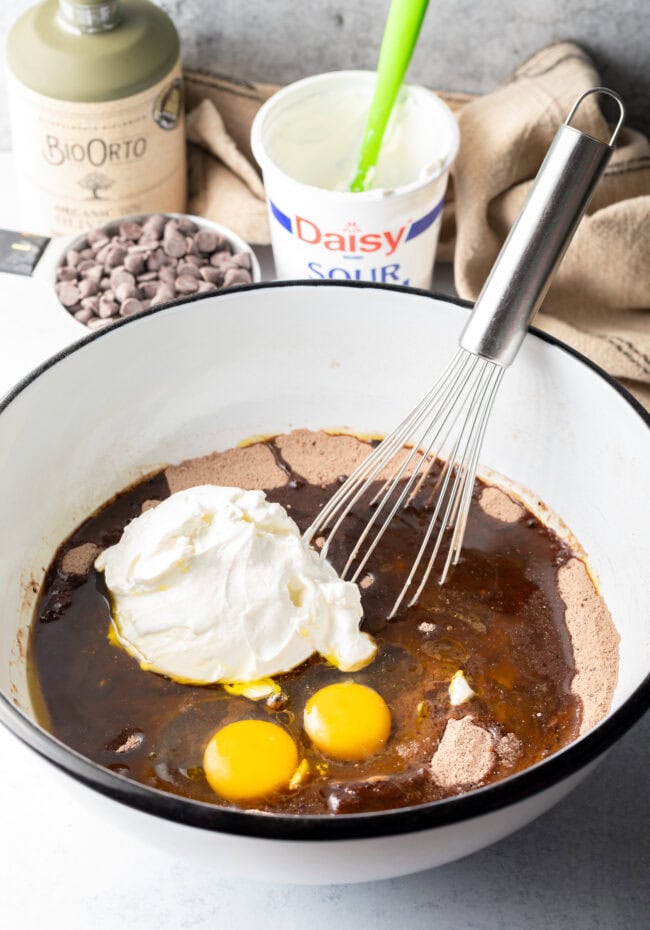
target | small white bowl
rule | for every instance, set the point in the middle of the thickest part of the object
(55, 255)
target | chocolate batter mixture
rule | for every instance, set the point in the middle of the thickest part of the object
(499, 617)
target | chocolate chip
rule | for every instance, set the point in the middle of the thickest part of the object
(134, 263)
(148, 288)
(164, 293)
(154, 224)
(236, 276)
(83, 315)
(207, 241)
(88, 288)
(115, 256)
(125, 291)
(213, 275)
(102, 254)
(219, 259)
(68, 293)
(94, 274)
(96, 235)
(186, 284)
(185, 268)
(107, 308)
(121, 276)
(175, 245)
(130, 306)
(167, 274)
(67, 274)
(156, 260)
(243, 259)
(187, 226)
(130, 230)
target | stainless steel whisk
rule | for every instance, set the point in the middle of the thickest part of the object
(451, 419)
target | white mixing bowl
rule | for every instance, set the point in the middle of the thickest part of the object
(187, 379)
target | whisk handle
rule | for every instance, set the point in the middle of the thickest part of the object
(538, 240)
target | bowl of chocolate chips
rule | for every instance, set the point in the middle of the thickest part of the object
(137, 262)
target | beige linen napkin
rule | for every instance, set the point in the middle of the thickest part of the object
(223, 184)
(600, 300)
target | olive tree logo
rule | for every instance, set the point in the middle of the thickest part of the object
(95, 182)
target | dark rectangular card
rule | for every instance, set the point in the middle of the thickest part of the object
(20, 252)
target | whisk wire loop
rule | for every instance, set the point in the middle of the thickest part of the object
(424, 451)
(456, 472)
(457, 511)
(365, 473)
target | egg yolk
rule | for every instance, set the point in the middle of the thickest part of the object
(249, 759)
(347, 721)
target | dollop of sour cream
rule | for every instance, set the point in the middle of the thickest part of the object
(216, 584)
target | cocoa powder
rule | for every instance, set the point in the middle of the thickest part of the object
(249, 468)
(594, 640)
(465, 755)
(496, 503)
(79, 560)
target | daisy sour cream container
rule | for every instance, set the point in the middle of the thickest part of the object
(307, 139)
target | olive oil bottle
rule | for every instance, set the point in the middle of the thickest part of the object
(96, 101)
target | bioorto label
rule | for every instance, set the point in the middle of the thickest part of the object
(80, 165)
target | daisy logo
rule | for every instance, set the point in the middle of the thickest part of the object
(353, 241)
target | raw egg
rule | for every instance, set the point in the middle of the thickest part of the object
(249, 759)
(347, 721)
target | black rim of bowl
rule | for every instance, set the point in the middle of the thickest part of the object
(517, 788)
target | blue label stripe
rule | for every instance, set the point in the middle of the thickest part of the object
(281, 217)
(423, 224)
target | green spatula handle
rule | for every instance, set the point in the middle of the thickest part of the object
(400, 35)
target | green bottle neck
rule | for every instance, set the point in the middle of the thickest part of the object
(89, 16)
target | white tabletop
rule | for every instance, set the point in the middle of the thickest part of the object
(583, 866)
